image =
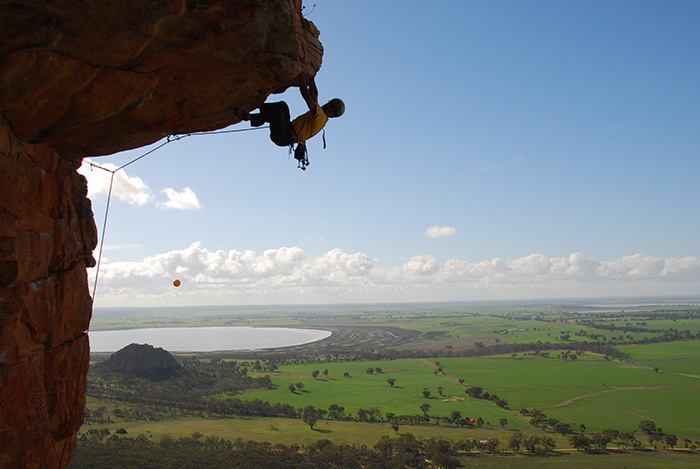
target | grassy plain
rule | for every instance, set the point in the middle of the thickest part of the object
(591, 390)
(363, 390)
(572, 459)
(581, 391)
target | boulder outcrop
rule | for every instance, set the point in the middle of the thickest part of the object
(142, 359)
(80, 78)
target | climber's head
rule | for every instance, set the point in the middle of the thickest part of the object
(334, 108)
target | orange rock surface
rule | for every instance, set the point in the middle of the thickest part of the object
(93, 78)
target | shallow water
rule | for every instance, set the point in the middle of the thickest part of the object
(205, 339)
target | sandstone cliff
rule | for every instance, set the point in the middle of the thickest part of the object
(81, 78)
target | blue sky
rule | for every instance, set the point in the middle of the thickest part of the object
(552, 147)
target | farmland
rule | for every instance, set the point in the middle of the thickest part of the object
(587, 369)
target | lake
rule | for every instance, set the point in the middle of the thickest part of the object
(205, 339)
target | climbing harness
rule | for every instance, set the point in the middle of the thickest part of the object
(301, 154)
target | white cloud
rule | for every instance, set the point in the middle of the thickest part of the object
(129, 189)
(184, 200)
(132, 189)
(441, 232)
(289, 275)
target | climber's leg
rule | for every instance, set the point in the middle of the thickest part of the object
(277, 115)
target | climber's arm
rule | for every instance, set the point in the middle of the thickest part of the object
(309, 92)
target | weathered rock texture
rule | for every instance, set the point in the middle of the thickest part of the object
(85, 78)
(93, 78)
(46, 236)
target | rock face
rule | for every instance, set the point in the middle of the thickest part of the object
(93, 78)
(142, 359)
(80, 78)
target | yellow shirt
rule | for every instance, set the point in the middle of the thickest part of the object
(309, 124)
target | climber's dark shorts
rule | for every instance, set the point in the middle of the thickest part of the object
(277, 115)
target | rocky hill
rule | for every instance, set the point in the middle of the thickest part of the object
(142, 359)
(91, 78)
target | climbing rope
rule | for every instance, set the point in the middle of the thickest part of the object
(169, 139)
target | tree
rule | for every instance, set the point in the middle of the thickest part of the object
(503, 422)
(548, 444)
(479, 422)
(515, 441)
(655, 438)
(362, 415)
(292, 388)
(315, 373)
(671, 440)
(336, 411)
(455, 415)
(325, 373)
(425, 408)
(346, 375)
(440, 390)
(309, 416)
(426, 393)
(474, 391)
(369, 371)
(561, 427)
(600, 441)
(580, 441)
(530, 443)
(395, 426)
(492, 444)
(648, 427)
(299, 386)
(391, 381)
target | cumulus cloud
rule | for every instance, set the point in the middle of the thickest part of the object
(132, 189)
(184, 200)
(290, 275)
(441, 232)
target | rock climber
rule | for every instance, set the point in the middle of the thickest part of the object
(285, 132)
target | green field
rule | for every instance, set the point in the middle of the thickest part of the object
(579, 391)
(363, 390)
(664, 351)
(568, 460)
(659, 381)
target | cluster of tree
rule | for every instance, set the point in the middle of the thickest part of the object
(667, 335)
(478, 393)
(656, 435)
(99, 449)
(639, 316)
(130, 414)
(600, 441)
(196, 379)
(479, 350)
(535, 444)
(539, 420)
